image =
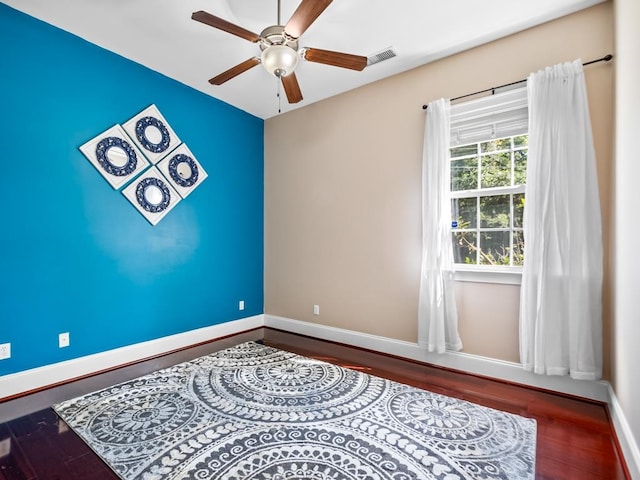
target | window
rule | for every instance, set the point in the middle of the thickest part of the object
(489, 147)
(487, 201)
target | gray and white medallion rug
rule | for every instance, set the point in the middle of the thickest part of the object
(254, 412)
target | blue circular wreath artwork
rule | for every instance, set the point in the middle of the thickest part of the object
(173, 170)
(102, 149)
(142, 201)
(141, 128)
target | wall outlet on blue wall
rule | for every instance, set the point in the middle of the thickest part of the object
(63, 340)
(5, 351)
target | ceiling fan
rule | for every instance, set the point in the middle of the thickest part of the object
(279, 46)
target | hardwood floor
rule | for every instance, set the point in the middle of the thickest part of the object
(575, 436)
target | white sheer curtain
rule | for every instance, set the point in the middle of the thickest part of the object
(561, 291)
(437, 314)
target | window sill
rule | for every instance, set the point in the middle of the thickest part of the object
(507, 276)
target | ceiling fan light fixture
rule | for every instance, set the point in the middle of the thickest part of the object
(279, 60)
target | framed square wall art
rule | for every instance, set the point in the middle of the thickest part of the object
(182, 170)
(115, 156)
(152, 195)
(152, 134)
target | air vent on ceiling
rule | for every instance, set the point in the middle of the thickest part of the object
(380, 56)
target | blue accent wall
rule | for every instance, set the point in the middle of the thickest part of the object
(75, 255)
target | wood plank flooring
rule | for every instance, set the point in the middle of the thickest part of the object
(575, 436)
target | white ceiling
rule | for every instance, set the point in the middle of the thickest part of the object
(161, 35)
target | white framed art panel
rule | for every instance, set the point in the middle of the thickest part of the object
(152, 195)
(182, 170)
(152, 133)
(114, 155)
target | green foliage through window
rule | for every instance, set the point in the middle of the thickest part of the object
(487, 188)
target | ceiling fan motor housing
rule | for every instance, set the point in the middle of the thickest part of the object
(279, 51)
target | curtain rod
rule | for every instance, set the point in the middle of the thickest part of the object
(606, 58)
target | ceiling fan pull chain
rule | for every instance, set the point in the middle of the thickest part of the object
(278, 93)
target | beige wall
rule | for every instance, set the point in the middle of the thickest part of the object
(343, 180)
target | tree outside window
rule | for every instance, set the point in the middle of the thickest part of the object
(487, 190)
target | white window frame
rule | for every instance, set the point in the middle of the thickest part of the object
(500, 115)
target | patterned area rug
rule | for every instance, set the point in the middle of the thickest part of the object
(256, 412)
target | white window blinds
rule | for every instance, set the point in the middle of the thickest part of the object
(495, 116)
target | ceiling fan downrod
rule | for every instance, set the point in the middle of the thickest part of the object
(278, 22)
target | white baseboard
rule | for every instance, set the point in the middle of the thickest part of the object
(626, 439)
(40, 377)
(512, 372)
(59, 372)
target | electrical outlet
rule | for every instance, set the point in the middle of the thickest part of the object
(5, 351)
(63, 340)
(316, 309)
(241, 305)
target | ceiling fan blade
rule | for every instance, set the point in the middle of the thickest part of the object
(304, 16)
(292, 88)
(337, 59)
(221, 24)
(235, 71)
